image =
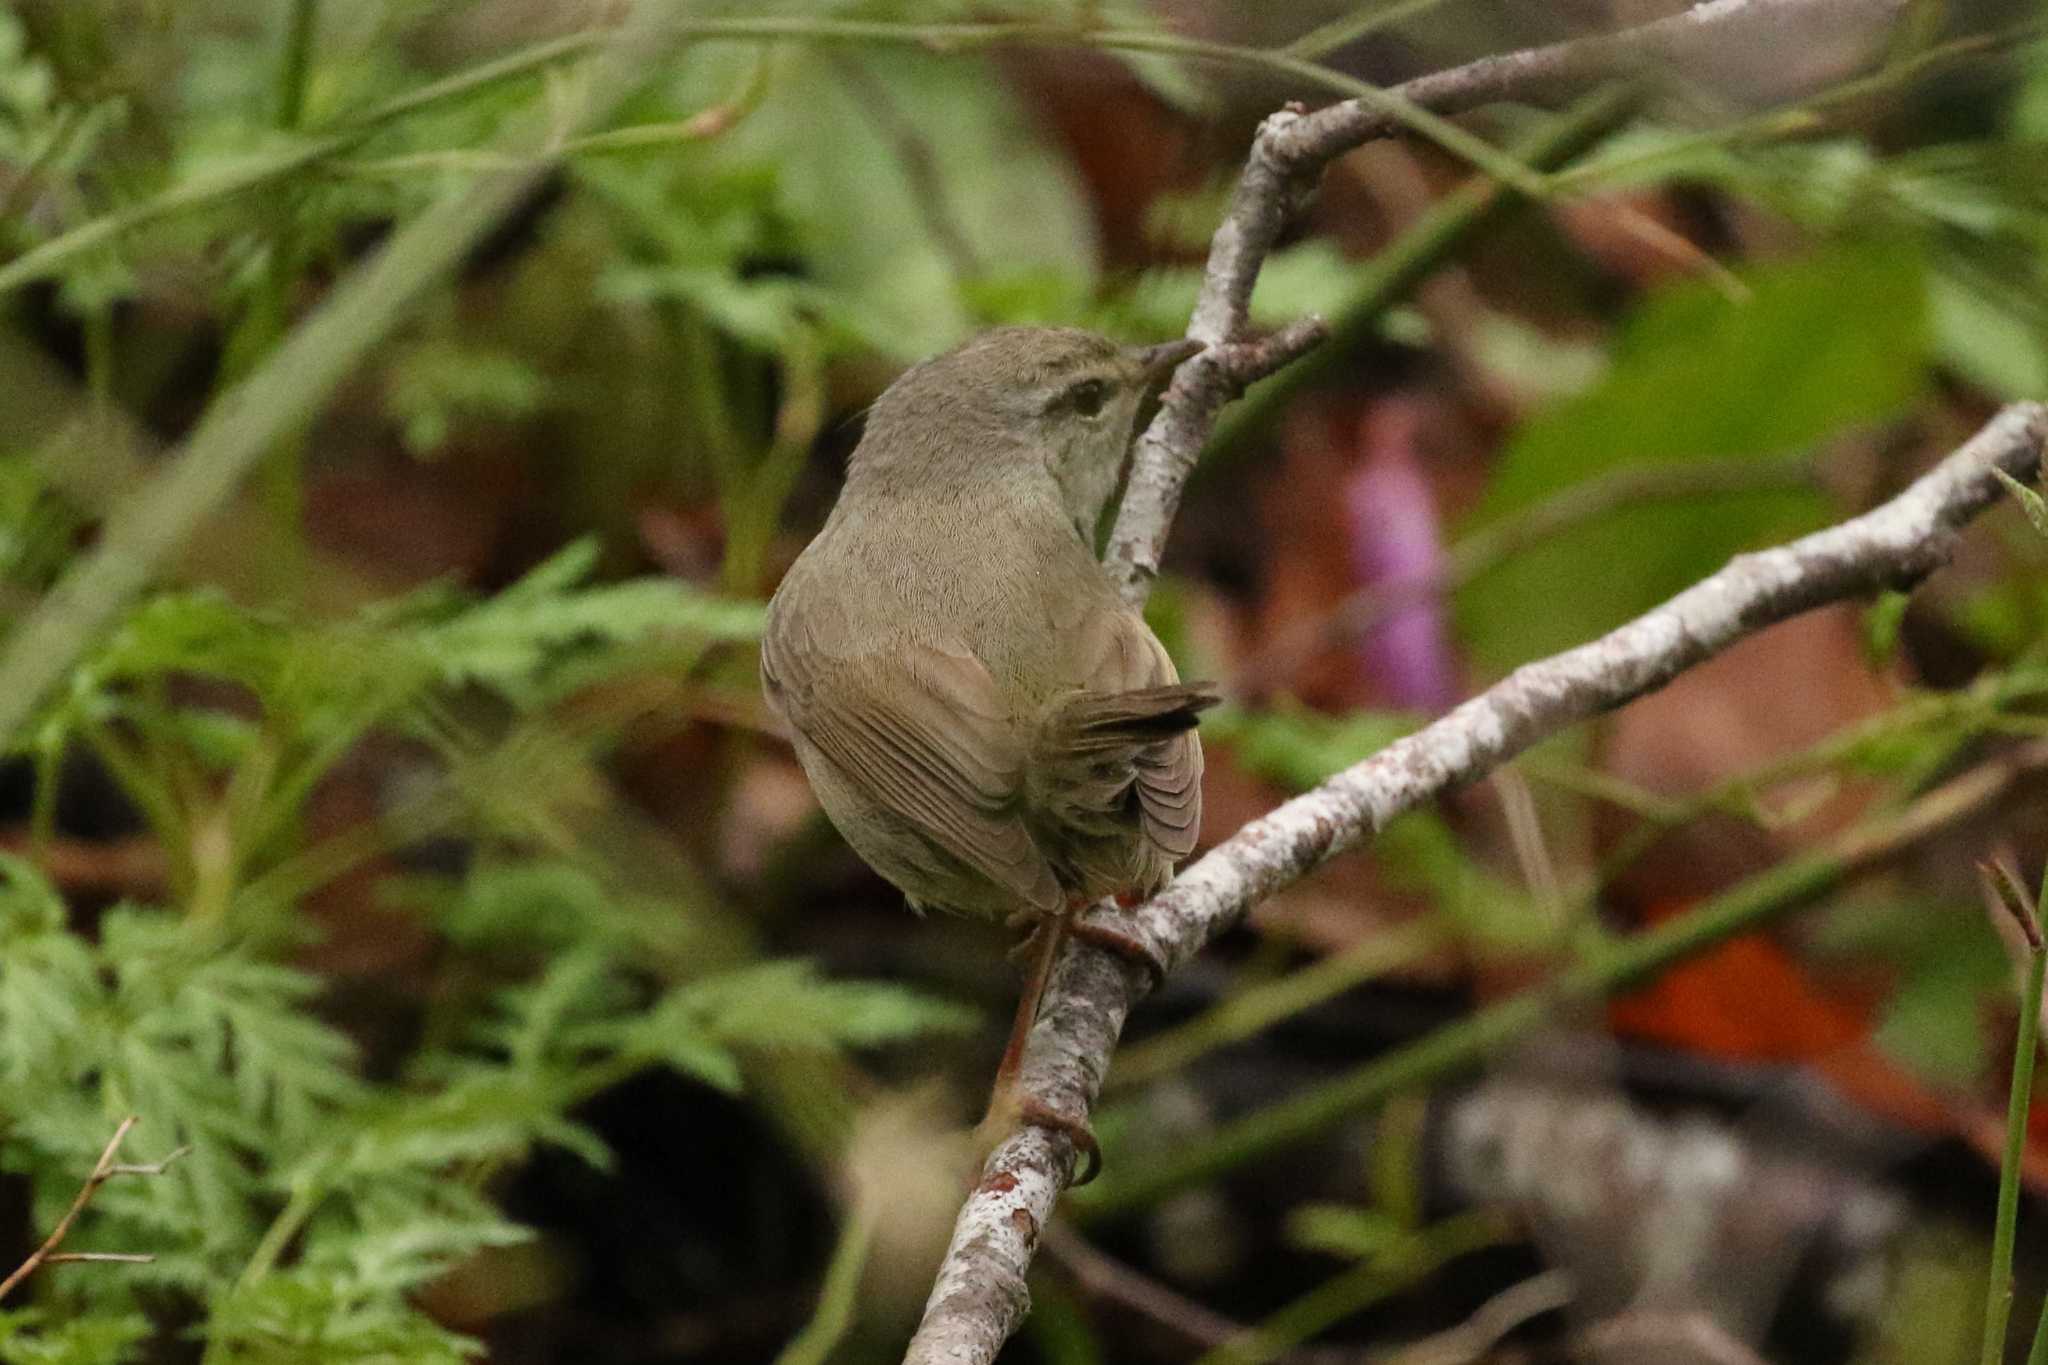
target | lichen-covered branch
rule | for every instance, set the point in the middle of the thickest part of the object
(980, 1293)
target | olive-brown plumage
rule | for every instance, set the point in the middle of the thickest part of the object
(979, 713)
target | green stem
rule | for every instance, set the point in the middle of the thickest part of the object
(1252, 1011)
(839, 1297)
(1749, 905)
(304, 1201)
(295, 62)
(1358, 1288)
(1968, 712)
(2037, 1354)
(291, 1220)
(1796, 119)
(1998, 1296)
(281, 475)
(1349, 29)
(753, 503)
(42, 816)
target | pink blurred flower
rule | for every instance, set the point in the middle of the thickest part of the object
(1390, 514)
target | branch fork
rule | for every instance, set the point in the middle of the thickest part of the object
(103, 1170)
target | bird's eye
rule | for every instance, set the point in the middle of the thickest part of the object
(1088, 397)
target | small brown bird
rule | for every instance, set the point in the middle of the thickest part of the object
(979, 713)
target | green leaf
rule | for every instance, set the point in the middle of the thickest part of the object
(506, 641)
(1950, 965)
(1881, 626)
(1309, 277)
(1989, 340)
(2030, 501)
(1340, 1230)
(788, 1004)
(690, 1052)
(2004, 619)
(483, 1114)
(437, 384)
(33, 1336)
(1934, 1021)
(315, 1317)
(50, 988)
(1816, 346)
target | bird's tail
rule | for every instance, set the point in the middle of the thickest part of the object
(1104, 759)
(1097, 725)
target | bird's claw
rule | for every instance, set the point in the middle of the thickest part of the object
(1039, 1114)
(1127, 946)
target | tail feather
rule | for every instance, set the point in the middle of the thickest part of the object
(1108, 766)
(1107, 721)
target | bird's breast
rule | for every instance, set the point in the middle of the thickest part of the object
(1006, 582)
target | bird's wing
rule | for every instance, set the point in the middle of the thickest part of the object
(1131, 726)
(924, 731)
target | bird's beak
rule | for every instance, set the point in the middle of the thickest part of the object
(1157, 362)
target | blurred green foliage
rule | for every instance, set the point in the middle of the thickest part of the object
(192, 1019)
(1774, 362)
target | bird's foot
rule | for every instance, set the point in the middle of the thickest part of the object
(1107, 937)
(1129, 947)
(1010, 1108)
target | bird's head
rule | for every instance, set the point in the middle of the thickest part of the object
(1022, 405)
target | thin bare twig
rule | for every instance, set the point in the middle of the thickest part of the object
(1498, 1316)
(2013, 898)
(1104, 1277)
(103, 1170)
(1287, 158)
(1688, 1336)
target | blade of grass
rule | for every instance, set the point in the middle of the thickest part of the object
(2037, 1354)
(1998, 1293)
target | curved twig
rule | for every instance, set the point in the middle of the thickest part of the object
(1286, 160)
